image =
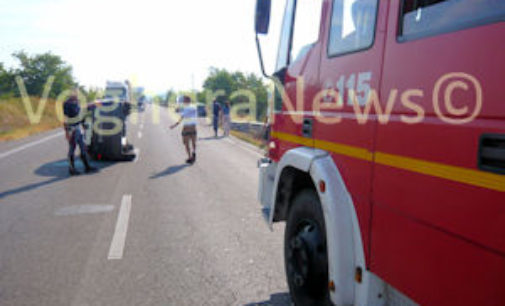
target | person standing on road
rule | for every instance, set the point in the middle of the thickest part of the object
(189, 120)
(226, 118)
(73, 133)
(216, 112)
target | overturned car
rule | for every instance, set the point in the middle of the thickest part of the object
(106, 124)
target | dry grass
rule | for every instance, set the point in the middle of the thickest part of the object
(249, 139)
(14, 122)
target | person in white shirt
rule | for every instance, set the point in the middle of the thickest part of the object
(189, 121)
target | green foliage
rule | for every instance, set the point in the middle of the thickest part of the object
(171, 96)
(92, 93)
(6, 82)
(232, 82)
(221, 79)
(260, 90)
(36, 70)
(201, 96)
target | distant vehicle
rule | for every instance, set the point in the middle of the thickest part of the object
(140, 98)
(106, 121)
(201, 109)
(141, 103)
(117, 90)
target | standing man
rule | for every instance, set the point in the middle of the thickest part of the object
(189, 120)
(73, 133)
(226, 118)
(216, 110)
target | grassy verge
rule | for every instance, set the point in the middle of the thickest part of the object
(14, 122)
(249, 139)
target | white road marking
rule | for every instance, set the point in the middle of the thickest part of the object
(137, 155)
(139, 134)
(29, 145)
(119, 238)
(83, 209)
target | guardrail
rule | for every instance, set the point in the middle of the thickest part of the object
(252, 128)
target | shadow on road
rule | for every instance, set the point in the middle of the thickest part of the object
(56, 171)
(276, 299)
(169, 171)
(59, 169)
(210, 138)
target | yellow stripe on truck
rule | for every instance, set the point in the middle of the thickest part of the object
(308, 142)
(453, 173)
(457, 174)
(326, 145)
(346, 150)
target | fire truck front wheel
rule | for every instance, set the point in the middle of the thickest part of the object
(305, 253)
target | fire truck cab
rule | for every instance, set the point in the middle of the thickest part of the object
(387, 150)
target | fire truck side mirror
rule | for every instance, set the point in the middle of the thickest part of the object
(262, 16)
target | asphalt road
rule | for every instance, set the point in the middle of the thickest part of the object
(149, 232)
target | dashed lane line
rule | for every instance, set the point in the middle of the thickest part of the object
(119, 238)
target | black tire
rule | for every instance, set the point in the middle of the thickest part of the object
(305, 251)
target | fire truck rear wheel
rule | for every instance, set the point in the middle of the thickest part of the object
(305, 253)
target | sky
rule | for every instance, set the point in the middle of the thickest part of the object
(159, 45)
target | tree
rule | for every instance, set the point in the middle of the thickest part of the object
(92, 93)
(220, 80)
(201, 96)
(260, 90)
(36, 70)
(6, 81)
(231, 82)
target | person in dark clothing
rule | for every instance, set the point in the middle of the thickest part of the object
(73, 133)
(216, 112)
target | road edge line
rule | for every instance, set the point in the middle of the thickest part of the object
(29, 145)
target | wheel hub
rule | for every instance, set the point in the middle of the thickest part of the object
(303, 252)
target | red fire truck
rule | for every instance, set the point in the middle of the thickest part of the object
(387, 150)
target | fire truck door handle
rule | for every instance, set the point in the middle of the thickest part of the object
(307, 128)
(492, 153)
